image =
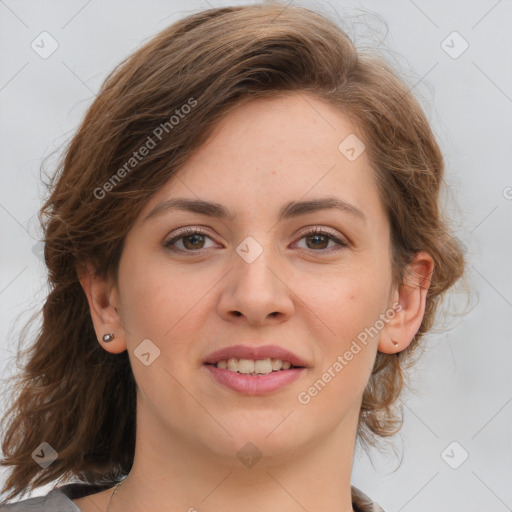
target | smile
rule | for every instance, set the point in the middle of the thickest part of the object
(254, 367)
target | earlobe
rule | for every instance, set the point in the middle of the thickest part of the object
(411, 297)
(104, 308)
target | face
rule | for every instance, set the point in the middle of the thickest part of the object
(303, 280)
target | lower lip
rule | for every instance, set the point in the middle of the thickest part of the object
(254, 384)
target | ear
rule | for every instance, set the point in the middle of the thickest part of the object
(103, 301)
(409, 301)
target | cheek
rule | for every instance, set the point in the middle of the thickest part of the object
(347, 301)
(153, 298)
(166, 306)
(346, 350)
(349, 304)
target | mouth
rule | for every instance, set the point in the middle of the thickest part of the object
(254, 367)
(254, 370)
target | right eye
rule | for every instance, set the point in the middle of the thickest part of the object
(191, 240)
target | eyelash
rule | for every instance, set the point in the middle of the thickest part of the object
(186, 232)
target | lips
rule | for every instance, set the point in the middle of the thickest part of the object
(254, 383)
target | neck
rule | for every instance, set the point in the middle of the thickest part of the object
(176, 473)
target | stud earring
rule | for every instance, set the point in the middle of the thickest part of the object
(108, 337)
(394, 343)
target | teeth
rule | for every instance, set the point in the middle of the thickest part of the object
(232, 364)
(254, 367)
(246, 366)
(276, 364)
(263, 366)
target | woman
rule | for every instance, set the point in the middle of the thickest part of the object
(245, 249)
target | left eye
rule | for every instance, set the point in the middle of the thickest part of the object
(193, 240)
(319, 238)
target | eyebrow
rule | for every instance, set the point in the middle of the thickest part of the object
(289, 210)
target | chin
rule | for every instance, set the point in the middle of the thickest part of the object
(269, 435)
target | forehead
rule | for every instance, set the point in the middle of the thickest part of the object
(286, 147)
(289, 126)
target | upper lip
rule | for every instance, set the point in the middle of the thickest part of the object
(251, 352)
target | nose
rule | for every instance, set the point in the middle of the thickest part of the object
(256, 292)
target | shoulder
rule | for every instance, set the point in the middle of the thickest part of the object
(58, 499)
(362, 503)
(54, 501)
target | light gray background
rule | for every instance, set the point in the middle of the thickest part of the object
(463, 390)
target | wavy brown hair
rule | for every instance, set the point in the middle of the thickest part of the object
(78, 397)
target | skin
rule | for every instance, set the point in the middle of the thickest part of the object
(311, 297)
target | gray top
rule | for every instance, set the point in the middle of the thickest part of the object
(59, 500)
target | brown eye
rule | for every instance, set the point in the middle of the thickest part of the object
(318, 240)
(188, 240)
(193, 241)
